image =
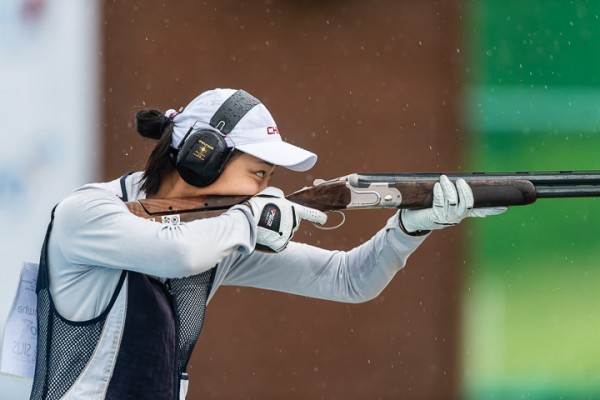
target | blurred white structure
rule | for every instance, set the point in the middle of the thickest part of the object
(49, 96)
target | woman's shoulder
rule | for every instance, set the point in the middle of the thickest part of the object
(88, 194)
(112, 192)
(94, 199)
(124, 187)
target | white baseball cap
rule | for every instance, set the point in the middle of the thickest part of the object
(256, 132)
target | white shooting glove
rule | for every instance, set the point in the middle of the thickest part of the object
(278, 219)
(451, 204)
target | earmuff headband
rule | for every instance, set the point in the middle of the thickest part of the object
(232, 111)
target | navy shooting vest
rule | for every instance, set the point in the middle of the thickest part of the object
(153, 325)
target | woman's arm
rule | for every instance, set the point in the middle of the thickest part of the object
(354, 276)
(94, 228)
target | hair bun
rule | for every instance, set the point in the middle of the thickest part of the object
(151, 123)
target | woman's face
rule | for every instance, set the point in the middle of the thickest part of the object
(243, 175)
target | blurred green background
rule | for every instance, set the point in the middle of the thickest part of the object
(532, 305)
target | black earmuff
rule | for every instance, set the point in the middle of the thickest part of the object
(203, 154)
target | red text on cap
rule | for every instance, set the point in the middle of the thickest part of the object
(272, 130)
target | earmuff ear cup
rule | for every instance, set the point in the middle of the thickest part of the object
(202, 157)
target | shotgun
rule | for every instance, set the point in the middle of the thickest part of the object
(404, 190)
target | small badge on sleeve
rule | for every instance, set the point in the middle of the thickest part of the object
(173, 219)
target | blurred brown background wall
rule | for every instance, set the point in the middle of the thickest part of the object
(371, 86)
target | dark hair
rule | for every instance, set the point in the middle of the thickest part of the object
(154, 124)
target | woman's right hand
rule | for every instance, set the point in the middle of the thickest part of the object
(277, 219)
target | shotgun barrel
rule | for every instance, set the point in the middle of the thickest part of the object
(548, 184)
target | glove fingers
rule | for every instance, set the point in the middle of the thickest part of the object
(438, 197)
(449, 190)
(451, 198)
(465, 197)
(310, 214)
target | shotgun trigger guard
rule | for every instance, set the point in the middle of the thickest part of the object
(330, 228)
(379, 194)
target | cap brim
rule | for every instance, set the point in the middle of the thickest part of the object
(281, 153)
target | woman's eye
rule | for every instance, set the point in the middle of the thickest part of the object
(261, 174)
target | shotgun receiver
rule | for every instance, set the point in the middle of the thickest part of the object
(405, 190)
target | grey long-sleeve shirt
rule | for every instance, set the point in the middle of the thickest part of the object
(95, 237)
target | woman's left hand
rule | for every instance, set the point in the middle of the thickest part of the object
(451, 204)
